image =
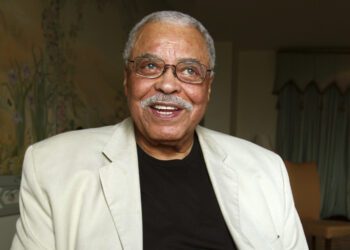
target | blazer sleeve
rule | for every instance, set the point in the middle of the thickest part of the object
(34, 226)
(293, 236)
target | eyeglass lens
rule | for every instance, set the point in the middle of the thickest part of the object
(189, 72)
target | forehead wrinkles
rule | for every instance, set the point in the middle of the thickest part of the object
(165, 46)
(169, 49)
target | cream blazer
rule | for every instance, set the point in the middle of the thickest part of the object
(80, 191)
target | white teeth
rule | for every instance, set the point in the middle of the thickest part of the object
(165, 113)
(161, 107)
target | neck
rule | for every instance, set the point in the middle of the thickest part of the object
(165, 150)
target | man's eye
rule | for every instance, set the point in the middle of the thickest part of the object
(151, 66)
(148, 66)
(191, 71)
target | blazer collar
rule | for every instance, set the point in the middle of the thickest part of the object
(121, 186)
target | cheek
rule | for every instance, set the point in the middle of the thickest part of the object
(136, 89)
(197, 96)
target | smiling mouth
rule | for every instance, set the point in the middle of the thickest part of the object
(165, 111)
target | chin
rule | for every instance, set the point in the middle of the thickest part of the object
(162, 135)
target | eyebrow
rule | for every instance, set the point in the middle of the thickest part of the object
(191, 60)
(185, 60)
(149, 55)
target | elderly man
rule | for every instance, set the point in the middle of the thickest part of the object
(157, 180)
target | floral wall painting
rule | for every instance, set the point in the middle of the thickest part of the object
(60, 70)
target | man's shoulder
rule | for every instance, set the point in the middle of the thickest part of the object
(230, 141)
(239, 149)
(77, 138)
(65, 155)
(85, 145)
(83, 138)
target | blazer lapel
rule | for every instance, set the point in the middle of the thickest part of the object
(120, 183)
(225, 183)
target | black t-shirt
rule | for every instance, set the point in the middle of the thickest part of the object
(179, 208)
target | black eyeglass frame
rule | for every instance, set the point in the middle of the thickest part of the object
(166, 66)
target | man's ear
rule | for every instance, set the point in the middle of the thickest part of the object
(125, 82)
(209, 86)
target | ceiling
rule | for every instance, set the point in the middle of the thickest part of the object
(273, 24)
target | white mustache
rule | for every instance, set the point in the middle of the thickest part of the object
(172, 99)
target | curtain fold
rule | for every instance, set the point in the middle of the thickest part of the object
(347, 160)
(289, 123)
(299, 118)
(312, 106)
(332, 154)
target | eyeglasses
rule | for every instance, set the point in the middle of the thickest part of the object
(187, 71)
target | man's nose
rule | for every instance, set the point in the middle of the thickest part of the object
(168, 82)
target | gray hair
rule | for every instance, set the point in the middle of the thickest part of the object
(171, 17)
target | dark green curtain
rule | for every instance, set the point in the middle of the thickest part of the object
(315, 126)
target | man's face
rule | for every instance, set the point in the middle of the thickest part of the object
(167, 122)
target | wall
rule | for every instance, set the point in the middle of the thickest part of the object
(7, 230)
(218, 115)
(256, 112)
(242, 103)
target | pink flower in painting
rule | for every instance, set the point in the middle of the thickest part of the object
(61, 111)
(61, 116)
(26, 71)
(12, 77)
(17, 118)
